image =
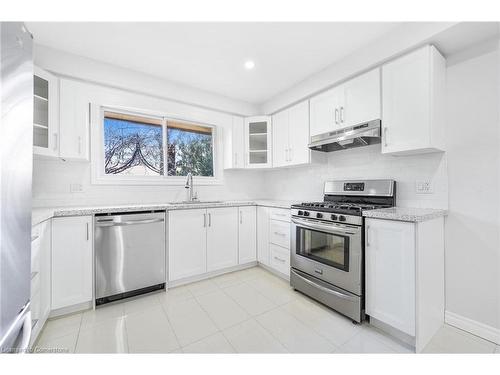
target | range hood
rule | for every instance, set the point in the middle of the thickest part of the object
(355, 136)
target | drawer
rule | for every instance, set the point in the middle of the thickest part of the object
(279, 259)
(279, 233)
(280, 214)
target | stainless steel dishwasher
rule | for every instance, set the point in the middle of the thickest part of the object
(129, 254)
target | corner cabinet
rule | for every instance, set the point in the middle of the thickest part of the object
(247, 234)
(234, 144)
(45, 113)
(413, 103)
(291, 136)
(404, 264)
(71, 261)
(258, 142)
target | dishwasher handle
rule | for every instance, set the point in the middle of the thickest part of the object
(107, 223)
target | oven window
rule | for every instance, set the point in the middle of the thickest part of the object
(326, 248)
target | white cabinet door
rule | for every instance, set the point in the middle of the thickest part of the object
(187, 243)
(362, 99)
(263, 235)
(298, 130)
(71, 261)
(222, 238)
(74, 114)
(238, 142)
(325, 114)
(247, 229)
(45, 269)
(412, 100)
(390, 273)
(45, 113)
(280, 139)
(258, 142)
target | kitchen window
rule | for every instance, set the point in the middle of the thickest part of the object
(141, 148)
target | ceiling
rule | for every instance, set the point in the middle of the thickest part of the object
(210, 56)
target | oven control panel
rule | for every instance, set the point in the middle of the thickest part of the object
(327, 216)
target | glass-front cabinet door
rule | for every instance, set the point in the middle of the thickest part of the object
(45, 113)
(258, 142)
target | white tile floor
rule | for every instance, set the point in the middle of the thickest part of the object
(250, 311)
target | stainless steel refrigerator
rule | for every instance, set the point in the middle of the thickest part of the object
(16, 139)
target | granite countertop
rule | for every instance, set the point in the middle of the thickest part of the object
(405, 214)
(41, 214)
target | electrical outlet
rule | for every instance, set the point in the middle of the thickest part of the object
(76, 188)
(423, 187)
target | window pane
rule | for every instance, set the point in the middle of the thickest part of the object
(190, 149)
(132, 145)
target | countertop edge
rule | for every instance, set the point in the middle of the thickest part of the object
(407, 214)
(39, 215)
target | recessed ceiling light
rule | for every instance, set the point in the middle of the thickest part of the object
(249, 64)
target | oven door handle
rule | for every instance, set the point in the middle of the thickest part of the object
(324, 289)
(326, 228)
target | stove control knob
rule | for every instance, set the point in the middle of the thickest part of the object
(342, 218)
(319, 215)
(300, 213)
(334, 217)
(306, 213)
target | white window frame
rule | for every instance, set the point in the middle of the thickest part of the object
(97, 150)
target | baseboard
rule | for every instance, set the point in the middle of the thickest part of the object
(472, 326)
(274, 272)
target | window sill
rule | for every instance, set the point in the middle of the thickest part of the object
(161, 181)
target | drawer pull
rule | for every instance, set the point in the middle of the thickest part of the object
(34, 238)
(279, 259)
(280, 234)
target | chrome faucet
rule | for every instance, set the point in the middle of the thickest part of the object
(189, 185)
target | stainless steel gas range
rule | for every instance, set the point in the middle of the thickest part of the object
(327, 243)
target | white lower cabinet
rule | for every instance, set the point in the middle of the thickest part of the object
(207, 240)
(247, 234)
(390, 273)
(263, 235)
(222, 238)
(279, 259)
(404, 264)
(187, 243)
(71, 261)
(40, 276)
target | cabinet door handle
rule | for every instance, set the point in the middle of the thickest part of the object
(385, 136)
(279, 259)
(209, 220)
(87, 231)
(204, 220)
(341, 114)
(366, 236)
(336, 115)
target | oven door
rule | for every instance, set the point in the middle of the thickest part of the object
(328, 251)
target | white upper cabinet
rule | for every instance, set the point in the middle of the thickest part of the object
(234, 138)
(222, 238)
(291, 136)
(413, 103)
(362, 99)
(258, 142)
(247, 230)
(325, 111)
(354, 102)
(45, 113)
(74, 115)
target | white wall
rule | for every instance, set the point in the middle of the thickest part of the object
(306, 183)
(472, 227)
(52, 179)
